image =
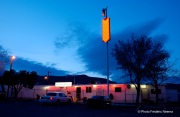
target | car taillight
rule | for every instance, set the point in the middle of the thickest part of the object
(39, 97)
(50, 98)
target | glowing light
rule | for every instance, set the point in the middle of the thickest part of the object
(132, 85)
(94, 86)
(103, 12)
(63, 84)
(13, 57)
(45, 78)
(143, 86)
(46, 87)
(106, 30)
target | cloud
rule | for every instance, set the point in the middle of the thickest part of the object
(92, 51)
(23, 64)
(74, 36)
(143, 28)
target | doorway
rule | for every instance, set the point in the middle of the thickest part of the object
(78, 92)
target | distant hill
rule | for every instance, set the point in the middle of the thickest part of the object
(75, 79)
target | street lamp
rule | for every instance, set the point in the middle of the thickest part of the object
(12, 58)
(46, 78)
(11, 61)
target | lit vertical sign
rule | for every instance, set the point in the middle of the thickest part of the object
(106, 30)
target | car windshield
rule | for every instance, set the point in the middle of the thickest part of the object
(98, 97)
(51, 94)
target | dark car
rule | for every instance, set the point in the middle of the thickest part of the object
(98, 101)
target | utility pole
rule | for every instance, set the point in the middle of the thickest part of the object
(48, 73)
(11, 61)
(48, 76)
(12, 58)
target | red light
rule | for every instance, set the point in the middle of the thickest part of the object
(51, 98)
(103, 12)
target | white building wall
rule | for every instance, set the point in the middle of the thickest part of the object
(127, 95)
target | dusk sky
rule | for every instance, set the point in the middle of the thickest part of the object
(64, 36)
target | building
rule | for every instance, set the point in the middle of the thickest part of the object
(81, 86)
(124, 93)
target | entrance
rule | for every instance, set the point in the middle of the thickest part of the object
(78, 92)
(145, 94)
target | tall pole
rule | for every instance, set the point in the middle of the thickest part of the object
(107, 71)
(11, 61)
(106, 38)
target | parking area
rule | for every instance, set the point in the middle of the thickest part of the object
(34, 109)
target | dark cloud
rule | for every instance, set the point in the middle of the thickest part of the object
(22, 64)
(92, 50)
(145, 28)
(75, 35)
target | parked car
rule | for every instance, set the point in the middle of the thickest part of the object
(55, 98)
(98, 101)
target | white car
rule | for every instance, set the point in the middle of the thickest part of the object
(55, 98)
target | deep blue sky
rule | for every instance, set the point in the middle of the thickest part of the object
(64, 36)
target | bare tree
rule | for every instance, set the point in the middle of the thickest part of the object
(18, 80)
(158, 69)
(134, 56)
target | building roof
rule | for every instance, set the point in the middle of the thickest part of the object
(75, 79)
(173, 86)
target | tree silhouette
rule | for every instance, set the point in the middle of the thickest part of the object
(18, 80)
(158, 69)
(135, 56)
(9, 79)
(3, 62)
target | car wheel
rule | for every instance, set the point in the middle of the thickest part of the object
(88, 106)
(69, 101)
(104, 105)
(43, 104)
(58, 102)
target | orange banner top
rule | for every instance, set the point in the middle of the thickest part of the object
(106, 30)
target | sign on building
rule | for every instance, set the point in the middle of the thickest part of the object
(63, 84)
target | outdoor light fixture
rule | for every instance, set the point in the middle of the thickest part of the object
(11, 61)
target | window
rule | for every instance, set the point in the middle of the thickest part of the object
(117, 89)
(60, 95)
(51, 94)
(88, 89)
(153, 91)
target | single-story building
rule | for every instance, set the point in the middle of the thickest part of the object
(81, 86)
(125, 93)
